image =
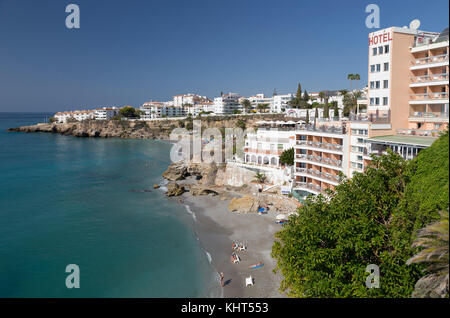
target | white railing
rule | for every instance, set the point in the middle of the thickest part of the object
(430, 59)
(329, 161)
(429, 96)
(430, 78)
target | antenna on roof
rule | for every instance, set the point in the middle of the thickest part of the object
(415, 24)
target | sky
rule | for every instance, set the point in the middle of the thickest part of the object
(130, 52)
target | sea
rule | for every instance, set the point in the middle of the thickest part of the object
(79, 218)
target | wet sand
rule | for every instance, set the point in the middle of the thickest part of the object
(217, 229)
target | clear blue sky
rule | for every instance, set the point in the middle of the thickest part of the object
(128, 52)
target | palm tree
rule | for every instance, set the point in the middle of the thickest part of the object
(246, 104)
(351, 77)
(434, 241)
(357, 78)
(260, 178)
(322, 96)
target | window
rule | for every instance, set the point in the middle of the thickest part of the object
(386, 67)
(437, 126)
(380, 50)
(385, 101)
(377, 101)
(385, 84)
(379, 67)
(372, 85)
(374, 51)
(360, 158)
(372, 68)
(386, 49)
(377, 84)
(360, 140)
(372, 101)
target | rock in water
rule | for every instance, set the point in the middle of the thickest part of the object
(245, 204)
(174, 189)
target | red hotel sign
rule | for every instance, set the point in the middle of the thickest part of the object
(381, 38)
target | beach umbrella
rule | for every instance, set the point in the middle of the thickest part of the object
(279, 122)
(281, 217)
(290, 122)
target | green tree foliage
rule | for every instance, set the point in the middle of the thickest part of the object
(241, 124)
(130, 112)
(287, 157)
(369, 219)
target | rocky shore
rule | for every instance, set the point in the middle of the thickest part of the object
(135, 129)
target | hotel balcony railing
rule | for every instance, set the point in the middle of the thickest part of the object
(326, 129)
(430, 78)
(316, 173)
(428, 115)
(321, 145)
(310, 186)
(328, 161)
(429, 96)
(430, 59)
(264, 152)
(418, 132)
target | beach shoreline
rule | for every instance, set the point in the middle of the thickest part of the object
(217, 228)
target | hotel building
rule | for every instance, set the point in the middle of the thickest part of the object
(407, 107)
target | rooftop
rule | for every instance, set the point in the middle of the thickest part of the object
(405, 140)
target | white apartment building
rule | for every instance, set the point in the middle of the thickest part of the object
(152, 110)
(105, 113)
(227, 104)
(281, 102)
(264, 147)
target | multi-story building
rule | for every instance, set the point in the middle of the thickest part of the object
(152, 110)
(105, 113)
(280, 103)
(408, 78)
(264, 147)
(227, 104)
(321, 155)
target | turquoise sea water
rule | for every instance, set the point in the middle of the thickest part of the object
(67, 200)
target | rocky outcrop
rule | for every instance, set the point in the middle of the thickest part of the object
(174, 189)
(201, 190)
(175, 172)
(103, 129)
(245, 204)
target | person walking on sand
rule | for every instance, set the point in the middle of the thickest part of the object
(221, 279)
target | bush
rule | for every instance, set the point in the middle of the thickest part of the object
(369, 219)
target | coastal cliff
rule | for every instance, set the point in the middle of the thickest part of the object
(158, 129)
(102, 129)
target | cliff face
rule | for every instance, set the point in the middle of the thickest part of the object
(158, 129)
(103, 129)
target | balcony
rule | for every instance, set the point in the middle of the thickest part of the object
(325, 129)
(428, 79)
(319, 145)
(429, 97)
(429, 116)
(430, 60)
(318, 174)
(316, 189)
(263, 152)
(328, 161)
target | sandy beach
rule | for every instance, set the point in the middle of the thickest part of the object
(217, 229)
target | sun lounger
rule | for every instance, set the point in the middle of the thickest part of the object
(237, 259)
(248, 281)
(242, 247)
